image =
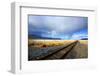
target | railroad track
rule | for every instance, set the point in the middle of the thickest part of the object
(60, 53)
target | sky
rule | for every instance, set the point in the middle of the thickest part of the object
(63, 27)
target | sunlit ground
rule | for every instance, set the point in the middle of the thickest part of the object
(48, 43)
(42, 47)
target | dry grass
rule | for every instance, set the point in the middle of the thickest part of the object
(80, 50)
(83, 42)
(48, 43)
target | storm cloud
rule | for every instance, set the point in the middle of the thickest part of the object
(64, 27)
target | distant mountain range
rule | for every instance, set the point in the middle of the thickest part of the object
(40, 37)
(84, 39)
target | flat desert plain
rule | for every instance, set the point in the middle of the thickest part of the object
(57, 49)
